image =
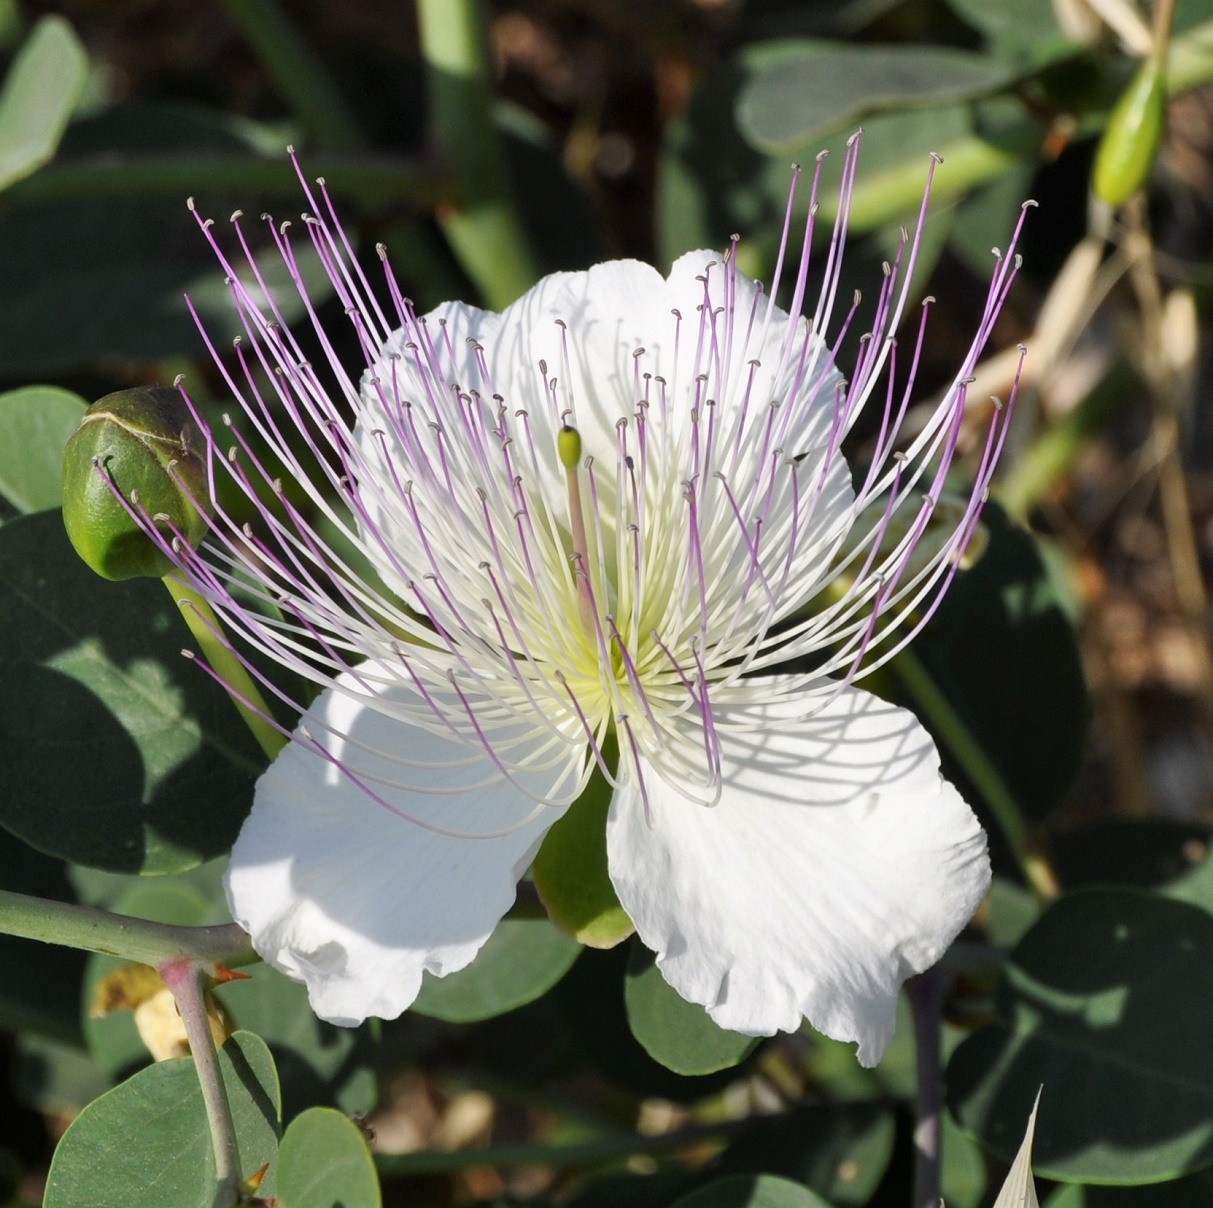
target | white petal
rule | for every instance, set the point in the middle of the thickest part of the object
(339, 892)
(588, 328)
(836, 864)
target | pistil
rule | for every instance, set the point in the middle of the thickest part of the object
(568, 448)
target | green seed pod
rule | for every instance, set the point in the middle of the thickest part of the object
(145, 442)
(1131, 137)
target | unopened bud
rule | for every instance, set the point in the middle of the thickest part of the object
(143, 444)
(1131, 138)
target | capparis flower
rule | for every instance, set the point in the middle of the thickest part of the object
(609, 533)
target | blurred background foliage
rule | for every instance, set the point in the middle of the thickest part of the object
(1067, 676)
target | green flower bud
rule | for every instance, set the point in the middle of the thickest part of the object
(144, 443)
(1131, 137)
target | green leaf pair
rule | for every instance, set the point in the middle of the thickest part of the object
(145, 1144)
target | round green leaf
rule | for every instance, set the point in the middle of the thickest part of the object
(324, 1162)
(677, 1033)
(752, 1191)
(1012, 910)
(115, 751)
(805, 89)
(1104, 1002)
(963, 1177)
(1196, 1191)
(522, 960)
(1195, 885)
(35, 424)
(145, 1144)
(40, 91)
(839, 1150)
(318, 1062)
(593, 1015)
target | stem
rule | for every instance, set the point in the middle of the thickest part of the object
(250, 704)
(297, 73)
(365, 178)
(563, 1157)
(925, 993)
(1171, 397)
(117, 935)
(1164, 18)
(483, 228)
(967, 752)
(187, 981)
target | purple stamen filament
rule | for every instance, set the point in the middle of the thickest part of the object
(671, 560)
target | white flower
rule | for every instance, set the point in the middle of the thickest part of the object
(615, 516)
